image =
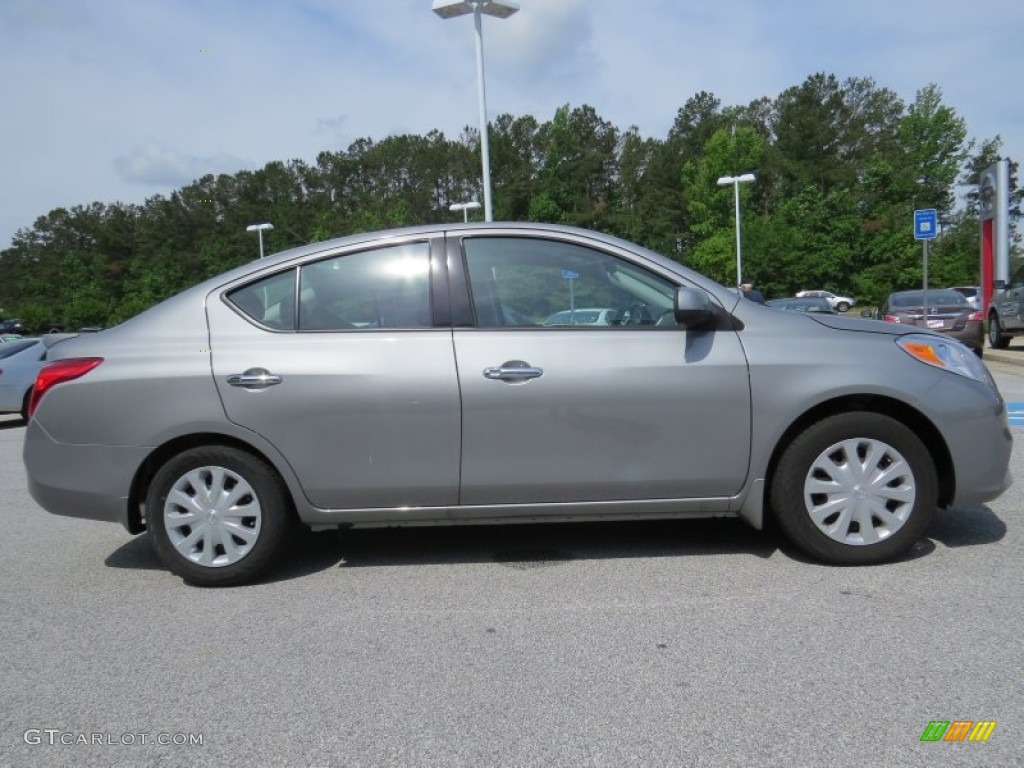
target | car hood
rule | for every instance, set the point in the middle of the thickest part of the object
(863, 325)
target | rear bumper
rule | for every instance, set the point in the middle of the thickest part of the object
(87, 481)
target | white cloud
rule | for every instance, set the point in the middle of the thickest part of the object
(155, 165)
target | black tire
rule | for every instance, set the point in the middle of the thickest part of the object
(24, 405)
(996, 338)
(893, 441)
(842, 306)
(263, 493)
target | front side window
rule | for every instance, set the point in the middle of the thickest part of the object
(382, 288)
(530, 282)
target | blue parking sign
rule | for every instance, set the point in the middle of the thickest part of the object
(926, 222)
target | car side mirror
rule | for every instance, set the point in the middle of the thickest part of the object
(693, 308)
(866, 313)
(999, 285)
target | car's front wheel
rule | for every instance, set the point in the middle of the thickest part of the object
(842, 306)
(218, 515)
(855, 488)
(996, 338)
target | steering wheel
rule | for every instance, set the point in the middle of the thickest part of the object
(639, 314)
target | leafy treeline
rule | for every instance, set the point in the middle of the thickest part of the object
(840, 168)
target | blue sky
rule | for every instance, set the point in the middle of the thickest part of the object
(122, 99)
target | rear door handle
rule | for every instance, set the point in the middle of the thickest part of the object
(513, 370)
(254, 378)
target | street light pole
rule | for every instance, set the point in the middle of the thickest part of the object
(500, 9)
(725, 181)
(258, 228)
(465, 208)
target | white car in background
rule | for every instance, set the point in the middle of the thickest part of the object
(839, 303)
(970, 292)
(585, 316)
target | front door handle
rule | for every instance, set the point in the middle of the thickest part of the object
(254, 378)
(513, 370)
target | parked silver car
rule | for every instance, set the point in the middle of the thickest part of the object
(20, 362)
(406, 377)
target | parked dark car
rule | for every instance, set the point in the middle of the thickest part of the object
(948, 312)
(407, 378)
(806, 304)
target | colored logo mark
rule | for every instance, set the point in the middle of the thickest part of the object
(958, 730)
(206, 50)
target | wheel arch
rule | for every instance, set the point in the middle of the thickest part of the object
(887, 406)
(159, 456)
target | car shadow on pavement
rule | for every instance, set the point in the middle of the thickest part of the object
(520, 547)
(524, 546)
(304, 554)
(966, 527)
(530, 546)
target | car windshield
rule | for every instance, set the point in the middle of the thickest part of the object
(935, 298)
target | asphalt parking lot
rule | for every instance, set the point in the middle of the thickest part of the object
(656, 644)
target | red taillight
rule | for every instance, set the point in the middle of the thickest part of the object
(57, 373)
(891, 318)
(976, 317)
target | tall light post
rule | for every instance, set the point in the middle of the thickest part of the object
(472, 205)
(259, 229)
(499, 9)
(736, 181)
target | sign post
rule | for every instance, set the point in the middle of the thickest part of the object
(926, 222)
(568, 274)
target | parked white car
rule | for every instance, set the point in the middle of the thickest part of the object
(839, 303)
(585, 316)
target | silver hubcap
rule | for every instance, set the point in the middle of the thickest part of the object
(212, 516)
(859, 491)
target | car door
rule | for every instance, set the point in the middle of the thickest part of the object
(357, 388)
(1010, 303)
(638, 410)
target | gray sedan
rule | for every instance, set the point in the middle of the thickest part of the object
(407, 378)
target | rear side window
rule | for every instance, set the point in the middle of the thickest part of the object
(382, 288)
(270, 301)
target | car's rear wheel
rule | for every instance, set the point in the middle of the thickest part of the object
(218, 515)
(842, 306)
(855, 488)
(996, 338)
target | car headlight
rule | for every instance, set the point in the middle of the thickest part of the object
(947, 354)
